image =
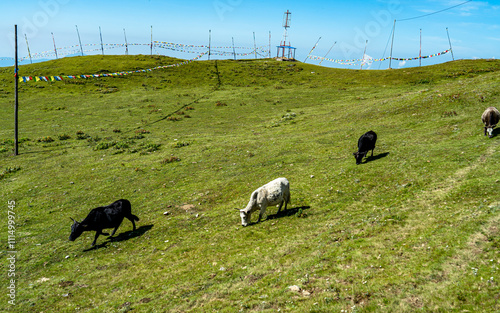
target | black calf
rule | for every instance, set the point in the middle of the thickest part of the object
(365, 143)
(110, 216)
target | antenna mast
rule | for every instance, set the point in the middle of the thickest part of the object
(286, 25)
(284, 45)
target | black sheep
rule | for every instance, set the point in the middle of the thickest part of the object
(365, 143)
(110, 216)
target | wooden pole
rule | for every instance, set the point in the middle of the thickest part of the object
(234, 52)
(451, 50)
(392, 43)
(327, 53)
(269, 44)
(79, 40)
(420, 51)
(209, 43)
(16, 108)
(312, 50)
(126, 43)
(254, 45)
(364, 53)
(27, 45)
(102, 45)
(151, 39)
(54, 41)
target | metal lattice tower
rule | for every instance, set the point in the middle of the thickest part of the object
(286, 25)
(285, 50)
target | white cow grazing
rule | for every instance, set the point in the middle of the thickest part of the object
(272, 193)
(490, 118)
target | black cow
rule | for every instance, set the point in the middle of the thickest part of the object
(365, 143)
(110, 216)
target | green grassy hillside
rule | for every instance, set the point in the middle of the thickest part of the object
(415, 228)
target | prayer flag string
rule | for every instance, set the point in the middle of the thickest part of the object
(63, 77)
(354, 61)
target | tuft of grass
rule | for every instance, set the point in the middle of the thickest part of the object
(104, 145)
(288, 117)
(170, 160)
(45, 139)
(449, 114)
(179, 144)
(151, 147)
(80, 135)
(63, 137)
(9, 170)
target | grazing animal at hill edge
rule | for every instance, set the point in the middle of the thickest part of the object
(490, 118)
(365, 143)
(110, 216)
(273, 193)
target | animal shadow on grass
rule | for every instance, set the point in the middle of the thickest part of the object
(123, 237)
(376, 157)
(287, 212)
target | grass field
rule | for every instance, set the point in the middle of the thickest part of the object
(414, 228)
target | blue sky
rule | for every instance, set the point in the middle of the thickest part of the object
(474, 27)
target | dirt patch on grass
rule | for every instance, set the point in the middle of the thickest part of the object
(187, 207)
(415, 301)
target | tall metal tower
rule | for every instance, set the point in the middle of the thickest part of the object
(286, 24)
(285, 50)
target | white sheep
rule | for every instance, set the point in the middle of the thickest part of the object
(273, 193)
